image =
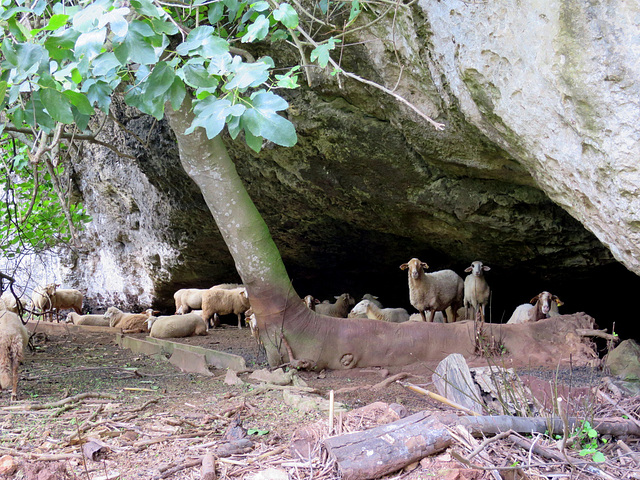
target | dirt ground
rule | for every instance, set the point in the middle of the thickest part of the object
(149, 416)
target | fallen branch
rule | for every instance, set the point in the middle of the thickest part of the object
(60, 403)
(437, 397)
(145, 443)
(167, 472)
(588, 332)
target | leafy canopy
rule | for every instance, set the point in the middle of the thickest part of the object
(61, 60)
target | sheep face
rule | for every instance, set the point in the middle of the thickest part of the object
(545, 300)
(415, 266)
(477, 268)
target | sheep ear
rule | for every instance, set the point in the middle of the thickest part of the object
(424, 265)
(468, 269)
(558, 301)
(535, 299)
(316, 301)
(404, 266)
(485, 268)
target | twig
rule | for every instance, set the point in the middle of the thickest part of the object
(145, 443)
(62, 402)
(186, 464)
(487, 441)
(439, 398)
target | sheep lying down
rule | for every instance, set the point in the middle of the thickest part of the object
(176, 326)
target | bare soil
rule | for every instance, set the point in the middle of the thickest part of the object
(151, 415)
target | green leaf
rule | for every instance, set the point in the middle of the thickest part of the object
(90, 44)
(203, 41)
(177, 92)
(9, 51)
(160, 81)
(80, 101)
(198, 77)
(286, 15)
(211, 114)
(55, 22)
(255, 431)
(98, 93)
(262, 119)
(599, 457)
(104, 62)
(146, 7)
(59, 46)
(254, 143)
(258, 30)
(57, 105)
(161, 26)
(216, 10)
(355, 11)
(248, 74)
(321, 52)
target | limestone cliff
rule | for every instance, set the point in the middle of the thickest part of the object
(534, 174)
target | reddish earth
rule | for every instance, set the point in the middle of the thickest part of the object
(193, 411)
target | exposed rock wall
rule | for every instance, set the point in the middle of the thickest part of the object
(538, 101)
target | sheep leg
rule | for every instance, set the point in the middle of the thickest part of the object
(216, 320)
(432, 314)
(14, 367)
(240, 321)
(422, 314)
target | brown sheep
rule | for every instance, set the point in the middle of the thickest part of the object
(219, 301)
(543, 307)
(13, 341)
(50, 297)
(128, 322)
(340, 308)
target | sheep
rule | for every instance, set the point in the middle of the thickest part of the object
(188, 299)
(253, 324)
(373, 299)
(89, 320)
(542, 308)
(173, 326)
(340, 308)
(9, 302)
(360, 310)
(13, 341)
(219, 301)
(433, 291)
(476, 289)
(50, 297)
(310, 302)
(128, 322)
(393, 315)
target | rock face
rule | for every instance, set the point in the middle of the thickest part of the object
(535, 173)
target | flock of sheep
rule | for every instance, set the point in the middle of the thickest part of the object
(441, 296)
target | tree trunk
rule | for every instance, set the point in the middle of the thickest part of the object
(327, 342)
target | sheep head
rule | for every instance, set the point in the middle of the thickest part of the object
(477, 268)
(415, 266)
(545, 299)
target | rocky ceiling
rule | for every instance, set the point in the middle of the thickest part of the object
(520, 177)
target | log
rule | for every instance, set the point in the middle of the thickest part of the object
(387, 448)
(452, 379)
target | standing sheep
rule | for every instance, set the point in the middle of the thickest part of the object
(219, 301)
(128, 322)
(435, 291)
(340, 308)
(188, 299)
(476, 289)
(13, 341)
(393, 315)
(176, 326)
(50, 297)
(542, 308)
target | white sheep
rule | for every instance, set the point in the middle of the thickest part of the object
(89, 320)
(128, 322)
(543, 306)
(188, 299)
(435, 291)
(373, 299)
(9, 302)
(340, 308)
(175, 326)
(393, 315)
(360, 309)
(13, 341)
(476, 289)
(220, 301)
(50, 297)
